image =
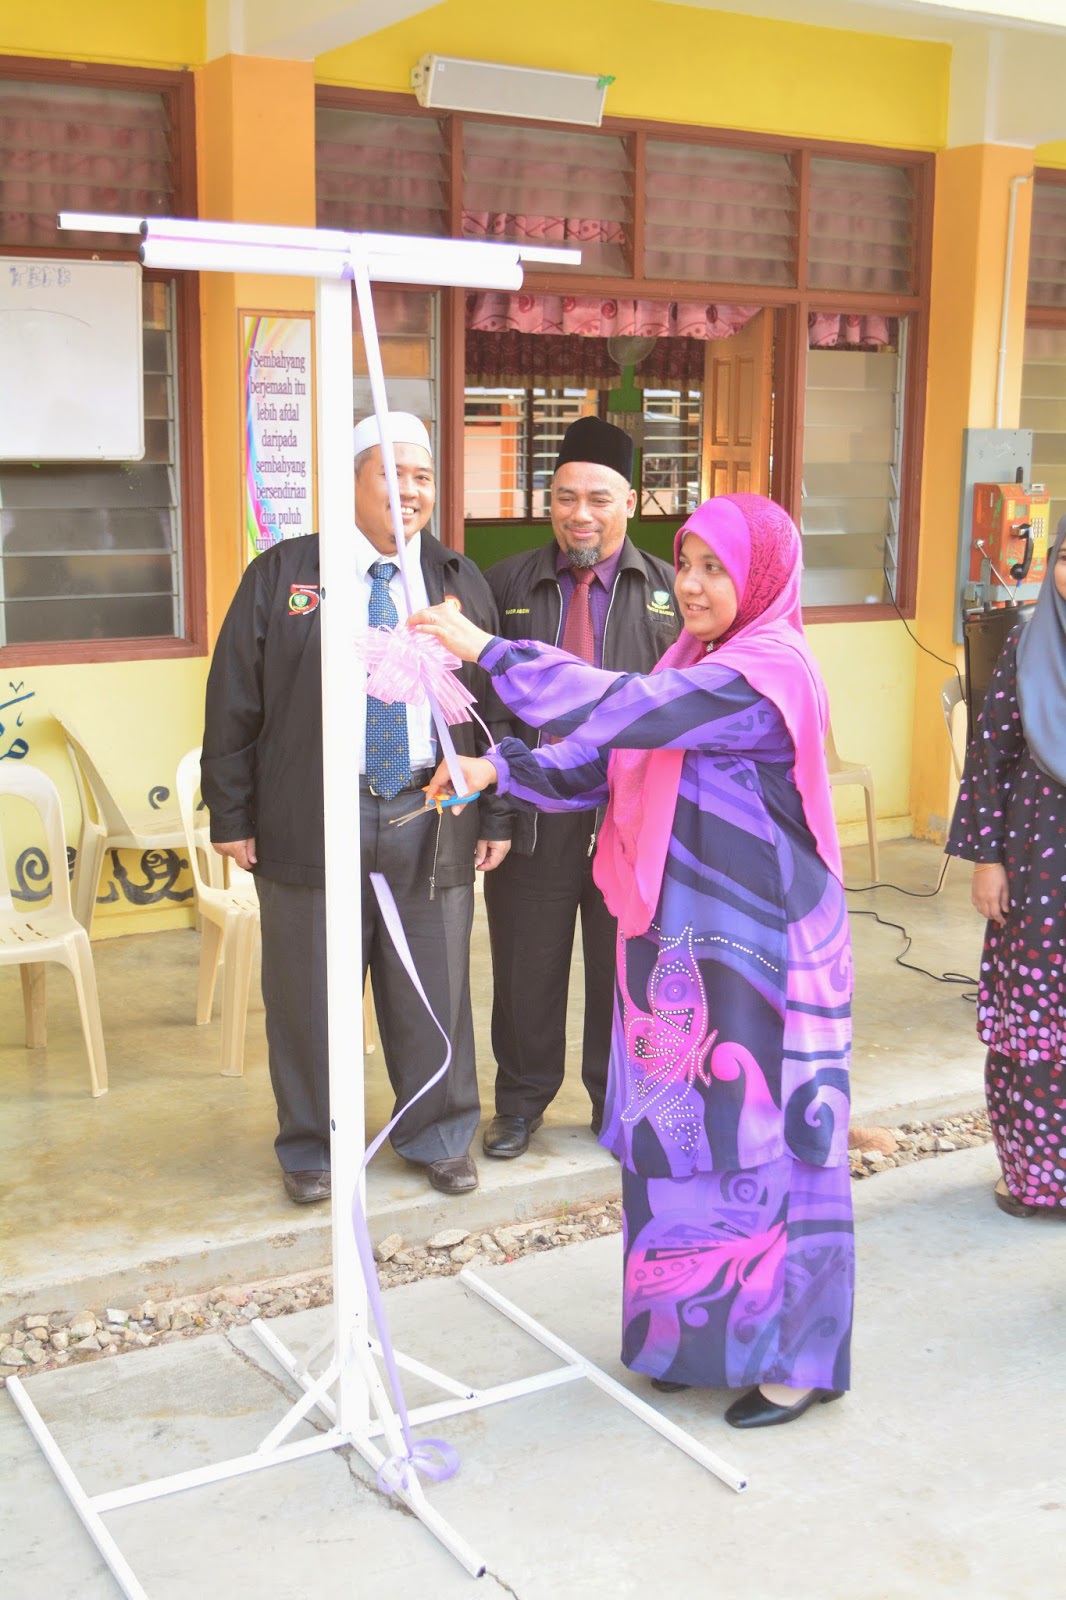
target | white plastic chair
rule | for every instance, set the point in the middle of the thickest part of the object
(953, 695)
(841, 772)
(229, 922)
(30, 938)
(105, 825)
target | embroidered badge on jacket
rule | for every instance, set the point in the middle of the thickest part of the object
(303, 599)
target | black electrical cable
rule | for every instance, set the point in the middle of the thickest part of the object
(951, 978)
(915, 894)
(942, 659)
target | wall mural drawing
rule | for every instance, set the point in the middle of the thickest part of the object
(18, 749)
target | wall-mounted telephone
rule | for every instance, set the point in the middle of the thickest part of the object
(1009, 542)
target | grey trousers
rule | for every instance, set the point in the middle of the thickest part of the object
(293, 922)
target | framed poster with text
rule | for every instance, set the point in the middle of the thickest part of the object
(278, 433)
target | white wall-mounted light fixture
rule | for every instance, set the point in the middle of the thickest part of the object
(451, 84)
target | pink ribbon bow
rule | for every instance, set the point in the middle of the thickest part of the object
(403, 665)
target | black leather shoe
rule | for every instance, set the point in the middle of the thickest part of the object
(664, 1386)
(597, 1121)
(453, 1175)
(753, 1410)
(507, 1137)
(306, 1187)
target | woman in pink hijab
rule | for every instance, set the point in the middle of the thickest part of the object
(727, 1102)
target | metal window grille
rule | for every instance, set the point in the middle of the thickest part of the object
(671, 454)
(512, 437)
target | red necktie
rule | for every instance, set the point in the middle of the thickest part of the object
(578, 637)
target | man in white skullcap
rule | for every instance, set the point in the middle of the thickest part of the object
(262, 782)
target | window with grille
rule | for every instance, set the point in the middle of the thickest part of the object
(548, 187)
(1044, 410)
(852, 446)
(380, 173)
(1047, 246)
(671, 453)
(511, 439)
(719, 214)
(91, 550)
(65, 147)
(861, 227)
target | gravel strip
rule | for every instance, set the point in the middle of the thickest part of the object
(41, 1341)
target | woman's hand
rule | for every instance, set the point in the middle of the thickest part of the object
(447, 623)
(478, 774)
(990, 892)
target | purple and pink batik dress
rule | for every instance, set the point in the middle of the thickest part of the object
(727, 1103)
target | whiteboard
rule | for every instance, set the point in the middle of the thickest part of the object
(71, 360)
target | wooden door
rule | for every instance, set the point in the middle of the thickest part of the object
(736, 411)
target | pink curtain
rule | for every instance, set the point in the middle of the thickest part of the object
(528, 228)
(829, 331)
(525, 340)
(593, 317)
(544, 361)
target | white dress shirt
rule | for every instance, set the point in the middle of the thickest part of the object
(422, 744)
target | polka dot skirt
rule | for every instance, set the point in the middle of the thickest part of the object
(1011, 812)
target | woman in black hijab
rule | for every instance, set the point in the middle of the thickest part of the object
(1011, 820)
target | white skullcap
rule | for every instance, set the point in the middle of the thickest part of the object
(402, 427)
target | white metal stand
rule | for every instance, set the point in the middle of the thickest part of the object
(349, 1386)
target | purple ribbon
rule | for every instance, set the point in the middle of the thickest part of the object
(434, 1458)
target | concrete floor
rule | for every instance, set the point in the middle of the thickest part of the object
(168, 1183)
(940, 1477)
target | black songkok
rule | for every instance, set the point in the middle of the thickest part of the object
(589, 439)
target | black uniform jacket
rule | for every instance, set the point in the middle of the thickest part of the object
(261, 771)
(642, 622)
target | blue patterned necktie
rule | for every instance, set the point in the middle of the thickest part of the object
(388, 756)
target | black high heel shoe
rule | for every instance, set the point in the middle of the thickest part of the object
(664, 1386)
(753, 1410)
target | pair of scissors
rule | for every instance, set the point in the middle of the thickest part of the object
(438, 805)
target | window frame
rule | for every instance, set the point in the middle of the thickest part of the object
(1037, 316)
(178, 92)
(792, 305)
(529, 401)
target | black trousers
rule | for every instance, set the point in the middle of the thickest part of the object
(293, 920)
(532, 904)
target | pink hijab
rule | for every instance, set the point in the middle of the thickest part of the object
(759, 546)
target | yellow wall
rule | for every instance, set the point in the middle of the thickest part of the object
(677, 64)
(969, 254)
(869, 670)
(1051, 155)
(162, 33)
